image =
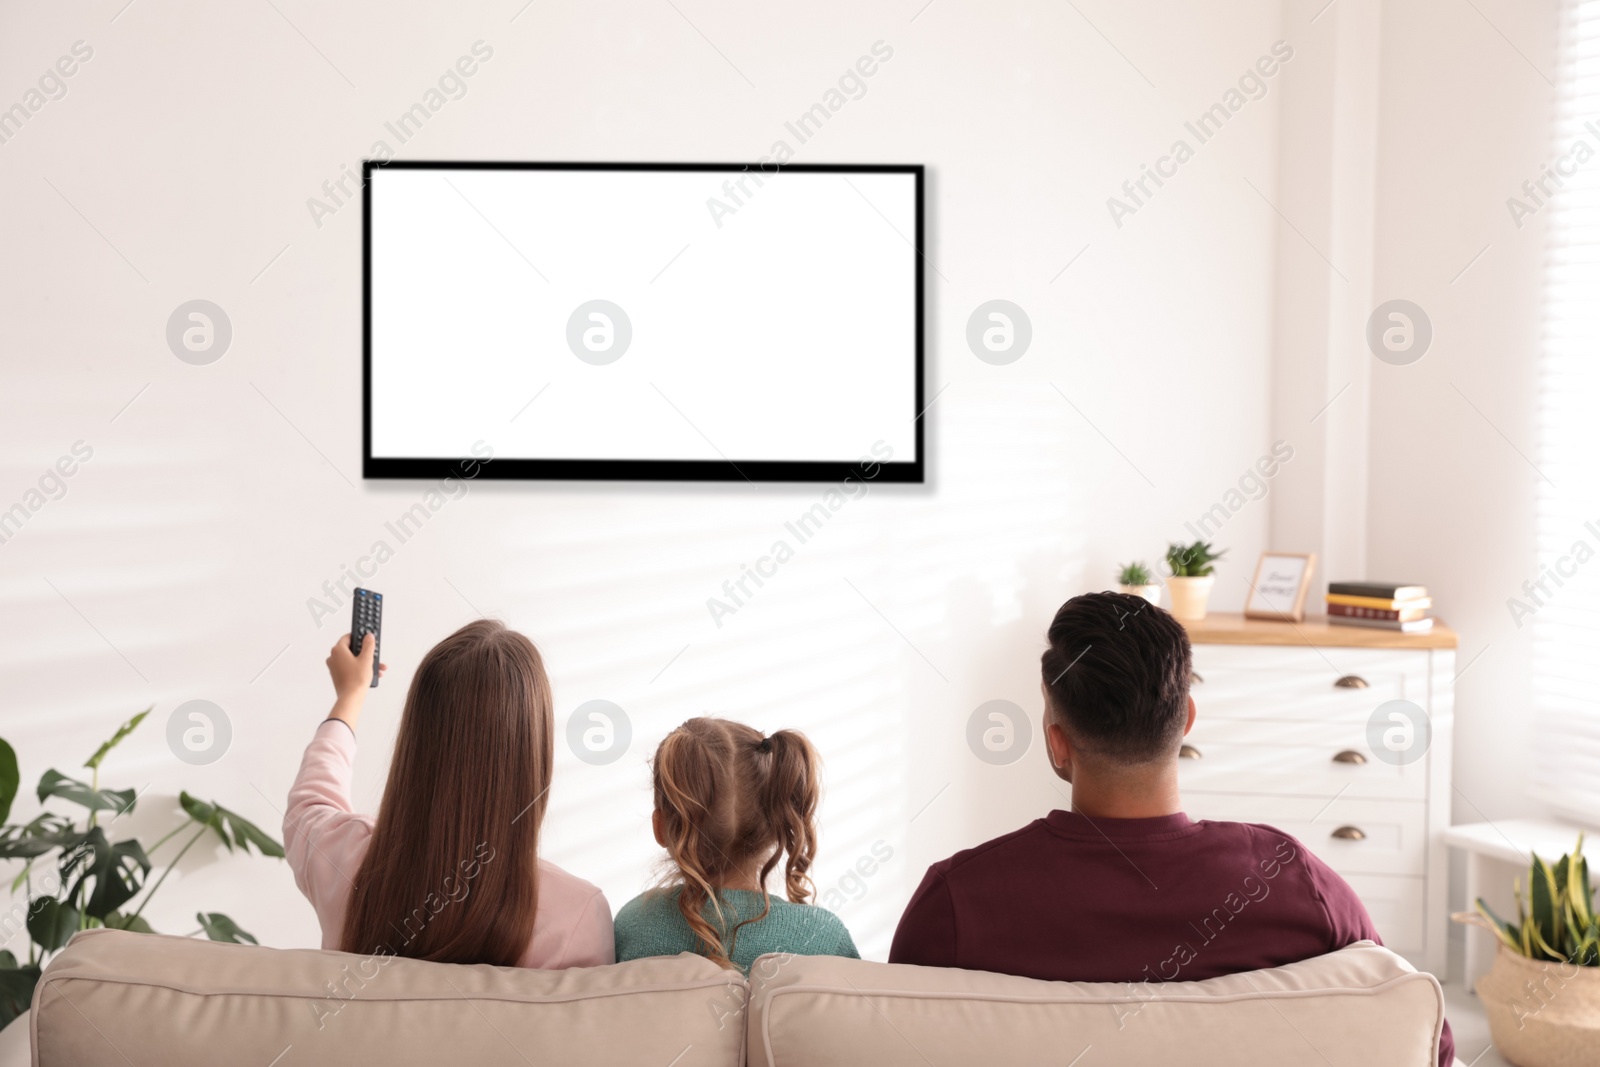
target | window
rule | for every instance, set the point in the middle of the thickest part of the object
(1566, 625)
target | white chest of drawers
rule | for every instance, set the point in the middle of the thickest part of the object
(1282, 737)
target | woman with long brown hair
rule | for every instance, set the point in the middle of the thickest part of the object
(450, 869)
(730, 805)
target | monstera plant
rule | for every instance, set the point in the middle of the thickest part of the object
(75, 877)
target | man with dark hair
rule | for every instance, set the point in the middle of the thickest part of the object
(1125, 887)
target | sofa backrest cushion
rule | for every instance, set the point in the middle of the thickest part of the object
(1362, 1006)
(112, 998)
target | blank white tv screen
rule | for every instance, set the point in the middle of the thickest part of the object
(643, 321)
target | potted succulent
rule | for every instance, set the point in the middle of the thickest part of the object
(1136, 579)
(1542, 995)
(1192, 577)
(75, 877)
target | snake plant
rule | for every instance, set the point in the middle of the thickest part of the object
(1556, 920)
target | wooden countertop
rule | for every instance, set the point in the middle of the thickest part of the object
(1231, 628)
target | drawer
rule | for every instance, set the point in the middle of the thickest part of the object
(1301, 694)
(1333, 662)
(1294, 757)
(1396, 831)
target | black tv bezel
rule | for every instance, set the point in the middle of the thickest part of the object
(685, 470)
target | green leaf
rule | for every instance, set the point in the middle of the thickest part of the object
(8, 962)
(56, 784)
(197, 809)
(118, 871)
(1542, 906)
(234, 829)
(10, 779)
(1578, 891)
(122, 731)
(1549, 950)
(1135, 574)
(51, 923)
(1585, 953)
(118, 921)
(20, 848)
(1506, 932)
(46, 832)
(16, 991)
(1192, 561)
(247, 833)
(219, 927)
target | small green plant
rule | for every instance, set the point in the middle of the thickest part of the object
(1556, 920)
(1135, 574)
(1192, 561)
(74, 877)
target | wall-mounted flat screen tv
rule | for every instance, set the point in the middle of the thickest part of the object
(650, 321)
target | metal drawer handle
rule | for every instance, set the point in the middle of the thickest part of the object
(1351, 681)
(1349, 755)
(1194, 678)
(1350, 833)
(1188, 752)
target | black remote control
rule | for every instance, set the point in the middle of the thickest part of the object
(366, 617)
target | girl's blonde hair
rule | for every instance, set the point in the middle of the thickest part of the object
(726, 797)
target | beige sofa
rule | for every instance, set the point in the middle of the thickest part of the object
(112, 999)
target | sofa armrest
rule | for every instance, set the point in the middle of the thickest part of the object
(15, 1048)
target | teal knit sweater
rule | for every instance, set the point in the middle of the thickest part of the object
(651, 924)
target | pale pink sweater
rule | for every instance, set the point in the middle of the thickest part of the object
(326, 841)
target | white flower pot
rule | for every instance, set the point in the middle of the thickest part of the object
(1150, 592)
(1189, 595)
(1542, 1014)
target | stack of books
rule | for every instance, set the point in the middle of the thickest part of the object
(1380, 605)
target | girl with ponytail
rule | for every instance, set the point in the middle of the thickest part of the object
(730, 806)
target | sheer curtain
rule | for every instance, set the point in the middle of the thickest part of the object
(1566, 625)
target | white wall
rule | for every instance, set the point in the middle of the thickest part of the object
(1325, 256)
(180, 561)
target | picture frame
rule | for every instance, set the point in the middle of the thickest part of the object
(1278, 590)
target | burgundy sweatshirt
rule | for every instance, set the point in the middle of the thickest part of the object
(1167, 899)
